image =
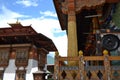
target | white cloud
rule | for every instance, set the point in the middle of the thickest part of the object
(9, 16)
(46, 27)
(28, 3)
(48, 13)
(61, 44)
(6, 13)
(42, 25)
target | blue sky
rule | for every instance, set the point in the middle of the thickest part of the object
(40, 13)
(31, 8)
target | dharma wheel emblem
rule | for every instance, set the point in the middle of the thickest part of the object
(110, 42)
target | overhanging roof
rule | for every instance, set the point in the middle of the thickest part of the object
(19, 34)
(63, 17)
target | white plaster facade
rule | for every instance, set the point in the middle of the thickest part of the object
(10, 71)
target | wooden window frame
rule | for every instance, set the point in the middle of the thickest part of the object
(19, 74)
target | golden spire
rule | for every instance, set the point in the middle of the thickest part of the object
(17, 22)
(105, 52)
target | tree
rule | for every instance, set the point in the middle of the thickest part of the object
(116, 15)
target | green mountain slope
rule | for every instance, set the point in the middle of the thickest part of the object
(50, 60)
(116, 15)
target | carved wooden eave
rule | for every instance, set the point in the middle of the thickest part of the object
(112, 1)
(18, 34)
(81, 4)
(17, 30)
(62, 17)
(61, 8)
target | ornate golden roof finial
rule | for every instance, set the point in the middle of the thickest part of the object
(56, 53)
(105, 52)
(80, 52)
(17, 22)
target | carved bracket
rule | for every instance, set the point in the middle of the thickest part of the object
(80, 4)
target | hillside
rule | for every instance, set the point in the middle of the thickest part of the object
(50, 60)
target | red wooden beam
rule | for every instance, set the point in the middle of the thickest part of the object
(112, 1)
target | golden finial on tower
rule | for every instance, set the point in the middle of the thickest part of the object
(105, 52)
(56, 53)
(17, 22)
(80, 52)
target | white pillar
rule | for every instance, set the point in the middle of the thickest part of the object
(10, 71)
(31, 68)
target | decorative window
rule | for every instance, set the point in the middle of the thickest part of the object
(20, 75)
(4, 56)
(21, 55)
